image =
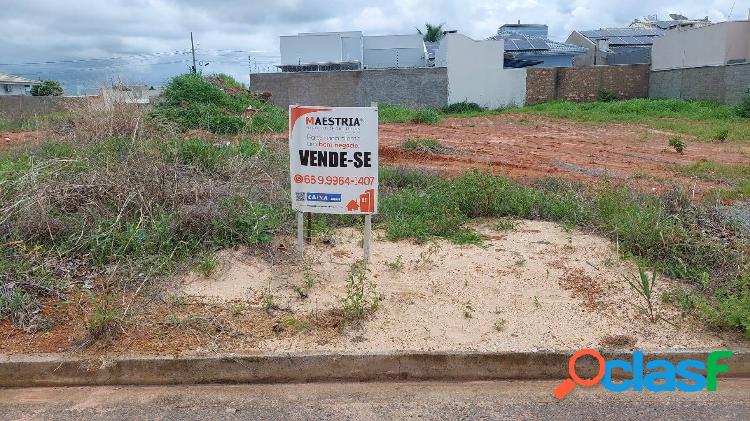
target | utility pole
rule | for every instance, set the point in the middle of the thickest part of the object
(192, 47)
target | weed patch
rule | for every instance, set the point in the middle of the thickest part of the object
(423, 145)
(702, 119)
(218, 104)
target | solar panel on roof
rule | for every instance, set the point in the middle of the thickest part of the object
(523, 44)
(538, 44)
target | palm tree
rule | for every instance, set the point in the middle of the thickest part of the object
(432, 33)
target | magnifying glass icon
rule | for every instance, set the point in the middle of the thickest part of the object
(570, 383)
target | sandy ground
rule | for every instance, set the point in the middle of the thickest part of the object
(538, 287)
(527, 146)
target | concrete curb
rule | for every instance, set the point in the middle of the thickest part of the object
(57, 370)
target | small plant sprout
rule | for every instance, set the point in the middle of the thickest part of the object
(468, 310)
(506, 224)
(362, 297)
(500, 325)
(645, 288)
(298, 325)
(208, 265)
(267, 300)
(677, 143)
(425, 257)
(396, 265)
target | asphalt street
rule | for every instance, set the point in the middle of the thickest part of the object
(344, 401)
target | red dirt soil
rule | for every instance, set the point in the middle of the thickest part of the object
(529, 147)
(10, 140)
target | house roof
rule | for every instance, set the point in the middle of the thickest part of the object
(516, 42)
(6, 79)
(624, 36)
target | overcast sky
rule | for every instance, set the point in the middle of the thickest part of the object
(43, 30)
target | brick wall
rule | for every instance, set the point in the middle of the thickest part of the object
(726, 84)
(420, 87)
(582, 84)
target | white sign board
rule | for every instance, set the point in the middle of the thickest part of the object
(333, 159)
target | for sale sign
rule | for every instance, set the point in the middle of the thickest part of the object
(333, 159)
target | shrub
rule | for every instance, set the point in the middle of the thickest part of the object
(721, 134)
(462, 107)
(743, 108)
(426, 116)
(47, 88)
(425, 145)
(606, 96)
(677, 143)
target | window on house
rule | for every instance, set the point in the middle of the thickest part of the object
(8, 88)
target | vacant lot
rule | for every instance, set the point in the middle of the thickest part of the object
(169, 229)
(529, 146)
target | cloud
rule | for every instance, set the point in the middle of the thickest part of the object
(44, 30)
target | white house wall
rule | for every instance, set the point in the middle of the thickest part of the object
(311, 48)
(711, 45)
(476, 73)
(388, 51)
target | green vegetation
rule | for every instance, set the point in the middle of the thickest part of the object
(47, 88)
(134, 209)
(432, 33)
(462, 108)
(362, 296)
(736, 176)
(396, 114)
(424, 145)
(217, 104)
(606, 96)
(667, 232)
(129, 202)
(743, 109)
(677, 143)
(702, 119)
(644, 286)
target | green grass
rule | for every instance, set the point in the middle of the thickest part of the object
(397, 114)
(715, 171)
(11, 125)
(216, 104)
(736, 176)
(20, 124)
(705, 120)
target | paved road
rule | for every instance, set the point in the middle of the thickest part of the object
(339, 401)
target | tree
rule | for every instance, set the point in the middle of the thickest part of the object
(432, 33)
(47, 88)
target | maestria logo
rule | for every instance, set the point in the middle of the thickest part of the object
(333, 121)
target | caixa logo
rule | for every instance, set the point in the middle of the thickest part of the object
(654, 375)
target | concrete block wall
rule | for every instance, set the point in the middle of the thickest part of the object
(737, 80)
(582, 84)
(725, 84)
(416, 87)
(29, 106)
